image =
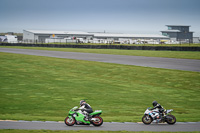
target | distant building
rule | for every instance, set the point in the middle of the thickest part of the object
(179, 33)
(42, 36)
(196, 39)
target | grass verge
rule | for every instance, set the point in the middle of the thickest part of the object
(45, 88)
(148, 53)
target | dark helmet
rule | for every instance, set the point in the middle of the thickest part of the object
(154, 103)
(81, 102)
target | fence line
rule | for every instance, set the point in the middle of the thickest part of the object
(166, 48)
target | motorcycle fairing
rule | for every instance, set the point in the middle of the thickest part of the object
(96, 112)
(80, 117)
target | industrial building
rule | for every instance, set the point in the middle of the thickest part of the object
(179, 33)
(196, 40)
(34, 36)
(41, 35)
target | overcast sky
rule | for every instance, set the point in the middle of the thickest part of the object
(122, 16)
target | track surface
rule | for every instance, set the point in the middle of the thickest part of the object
(168, 63)
(37, 125)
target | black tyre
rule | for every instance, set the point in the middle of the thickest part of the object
(146, 119)
(98, 122)
(70, 121)
(172, 120)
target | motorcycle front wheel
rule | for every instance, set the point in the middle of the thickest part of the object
(70, 121)
(146, 119)
(98, 121)
(172, 120)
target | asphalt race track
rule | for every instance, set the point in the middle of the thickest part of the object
(107, 126)
(157, 62)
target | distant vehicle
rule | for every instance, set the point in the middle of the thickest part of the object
(9, 38)
(3, 39)
(80, 40)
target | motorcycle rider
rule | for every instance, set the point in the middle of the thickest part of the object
(157, 106)
(86, 109)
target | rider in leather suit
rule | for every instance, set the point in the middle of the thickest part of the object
(159, 107)
(86, 109)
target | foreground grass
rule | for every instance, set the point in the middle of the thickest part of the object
(80, 131)
(44, 88)
(148, 53)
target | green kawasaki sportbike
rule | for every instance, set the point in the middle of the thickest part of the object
(76, 117)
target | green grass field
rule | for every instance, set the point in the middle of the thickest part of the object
(148, 53)
(45, 88)
(81, 131)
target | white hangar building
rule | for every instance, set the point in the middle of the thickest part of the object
(41, 35)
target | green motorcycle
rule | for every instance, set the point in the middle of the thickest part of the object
(75, 116)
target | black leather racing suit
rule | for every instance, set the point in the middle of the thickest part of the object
(159, 107)
(86, 107)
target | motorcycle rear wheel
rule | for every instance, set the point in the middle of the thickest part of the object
(171, 122)
(147, 119)
(70, 122)
(99, 122)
